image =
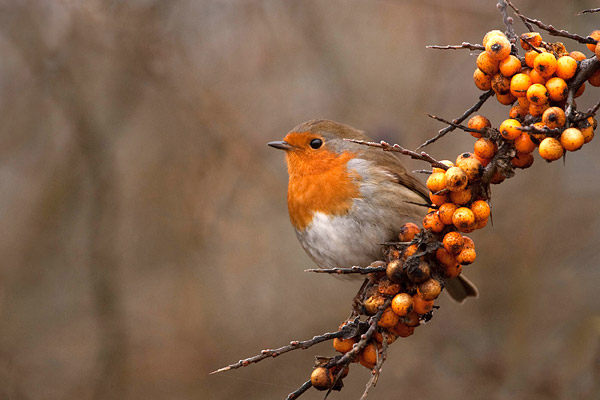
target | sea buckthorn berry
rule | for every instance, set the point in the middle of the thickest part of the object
(419, 273)
(395, 270)
(545, 64)
(448, 163)
(478, 122)
(469, 243)
(497, 47)
(481, 210)
(587, 129)
(522, 101)
(445, 258)
(463, 219)
(438, 199)
(472, 167)
(505, 99)
(537, 137)
(446, 211)
(484, 161)
(372, 303)
(566, 66)
(408, 232)
(436, 182)
(537, 94)
(509, 129)
(403, 330)
(500, 84)
(550, 149)
(402, 304)
(530, 39)
(497, 178)
(536, 78)
(572, 139)
(594, 35)
(490, 35)
(461, 197)
(430, 289)
(537, 110)
(519, 85)
(453, 271)
(522, 160)
(516, 111)
(388, 319)
(432, 221)
(530, 57)
(580, 90)
(412, 319)
(487, 64)
(554, 117)
(422, 306)
(368, 356)
(577, 55)
(510, 66)
(453, 242)
(322, 378)
(466, 256)
(485, 148)
(456, 179)
(557, 89)
(594, 79)
(391, 336)
(481, 224)
(524, 144)
(482, 81)
(409, 251)
(343, 345)
(387, 287)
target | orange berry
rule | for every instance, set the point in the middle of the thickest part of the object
(388, 287)
(500, 84)
(456, 179)
(322, 378)
(466, 256)
(587, 129)
(461, 197)
(368, 356)
(438, 199)
(430, 289)
(530, 39)
(594, 35)
(403, 330)
(545, 64)
(411, 319)
(497, 47)
(446, 211)
(506, 99)
(580, 91)
(510, 66)
(448, 163)
(436, 181)
(554, 117)
(464, 219)
(594, 79)
(516, 111)
(402, 304)
(432, 221)
(453, 242)
(557, 88)
(445, 258)
(524, 144)
(471, 166)
(522, 160)
(577, 55)
(550, 149)
(536, 78)
(537, 110)
(509, 129)
(478, 122)
(343, 345)
(566, 66)
(522, 101)
(490, 35)
(485, 148)
(537, 94)
(484, 161)
(388, 319)
(519, 85)
(482, 81)
(572, 139)
(390, 336)
(530, 57)
(422, 306)
(409, 251)
(408, 232)
(453, 271)
(487, 64)
(481, 210)
(372, 303)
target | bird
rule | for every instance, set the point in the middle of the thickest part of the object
(345, 199)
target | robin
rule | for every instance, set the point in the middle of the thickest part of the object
(345, 199)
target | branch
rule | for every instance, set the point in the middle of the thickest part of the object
(464, 45)
(586, 68)
(298, 392)
(591, 10)
(343, 271)
(521, 16)
(464, 128)
(508, 22)
(399, 149)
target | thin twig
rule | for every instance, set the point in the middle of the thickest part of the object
(399, 149)
(545, 130)
(586, 68)
(459, 126)
(464, 45)
(591, 10)
(508, 22)
(305, 344)
(343, 271)
(521, 16)
(298, 392)
(590, 113)
(482, 99)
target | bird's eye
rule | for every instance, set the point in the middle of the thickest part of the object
(316, 143)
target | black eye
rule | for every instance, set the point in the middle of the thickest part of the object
(316, 143)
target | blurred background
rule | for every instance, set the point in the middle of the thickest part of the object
(145, 236)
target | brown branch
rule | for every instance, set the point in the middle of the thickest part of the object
(298, 392)
(423, 156)
(459, 126)
(508, 22)
(482, 99)
(590, 113)
(545, 130)
(589, 11)
(464, 45)
(521, 16)
(343, 271)
(585, 69)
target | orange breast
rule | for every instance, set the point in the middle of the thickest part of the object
(320, 184)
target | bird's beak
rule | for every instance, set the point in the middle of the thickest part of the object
(281, 145)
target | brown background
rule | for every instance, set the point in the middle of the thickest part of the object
(145, 237)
